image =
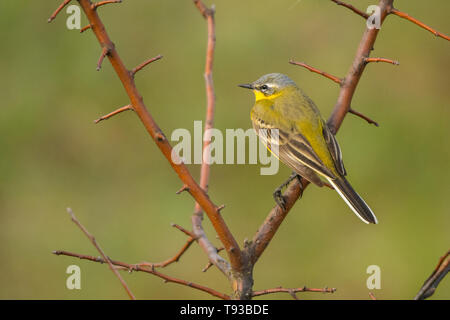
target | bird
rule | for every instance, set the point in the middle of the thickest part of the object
(290, 125)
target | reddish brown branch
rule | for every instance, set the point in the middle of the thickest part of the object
(155, 132)
(58, 10)
(85, 28)
(133, 267)
(430, 285)
(109, 115)
(100, 250)
(394, 62)
(419, 23)
(197, 217)
(312, 69)
(144, 64)
(349, 6)
(95, 5)
(370, 121)
(292, 291)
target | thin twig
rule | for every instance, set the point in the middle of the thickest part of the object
(370, 121)
(58, 10)
(109, 115)
(100, 250)
(134, 267)
(144, 64)
(85, 28)
(197, 217)
(312, 69)
(156, 133)
(105, 52)
(95, 5)
(430, 285)
(394, 62)
(276, 216)
(419, 23)
(293, 291)
(186, 232)
(349, 6)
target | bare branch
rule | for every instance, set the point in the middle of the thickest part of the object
(100, 250)
(394, 62)
(370, 121)
(349, 6)
(312, 69)
(430, 285)
(133, 267)
(210, 264)
(197, 217)
(144, 64)
(293, 291)
(156, 133)
(419, 23)
(58, 10)
(102, 3)
(109, 115)
(85, 28)
(186, 232)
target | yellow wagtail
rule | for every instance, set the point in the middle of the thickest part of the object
(303, 140)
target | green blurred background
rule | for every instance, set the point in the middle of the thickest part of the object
(123, 190)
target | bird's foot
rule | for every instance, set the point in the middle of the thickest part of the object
(278, 195)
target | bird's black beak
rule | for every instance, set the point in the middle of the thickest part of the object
(246, 86)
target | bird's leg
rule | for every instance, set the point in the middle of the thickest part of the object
(278, 196)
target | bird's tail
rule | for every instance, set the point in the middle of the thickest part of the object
(353, 200)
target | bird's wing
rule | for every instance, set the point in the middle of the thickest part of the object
(293, 149)
(334, 149)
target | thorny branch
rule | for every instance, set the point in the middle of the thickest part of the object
(197, 216)
(241, 262)
(293, 291)
(136, 267)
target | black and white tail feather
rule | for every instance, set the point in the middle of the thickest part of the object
(296, 151)
(353, 200)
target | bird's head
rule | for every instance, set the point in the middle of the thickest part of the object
(270, 86)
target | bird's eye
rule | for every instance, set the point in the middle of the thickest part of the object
(264, 87)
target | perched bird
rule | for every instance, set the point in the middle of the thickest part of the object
(302, 140)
